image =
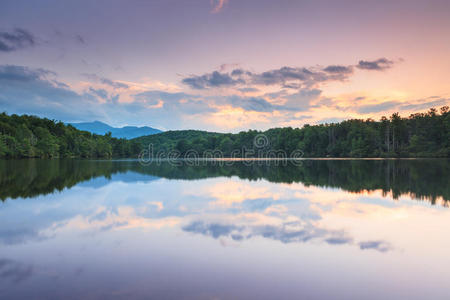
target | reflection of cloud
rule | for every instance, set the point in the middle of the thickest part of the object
(14, 271)
(232, 193)
(339, 240)
(282, 215)
(122, 217)
(258, 204)
(231, 209)
(158, 204)
(214, 230)
(12, 236)
(286, 232)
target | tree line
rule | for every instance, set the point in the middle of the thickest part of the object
(419, 135)
(32, 137)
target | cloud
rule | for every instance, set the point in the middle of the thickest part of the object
(99, 92)
(103, 80)
(105, 89)
(173, 103)
(237, 72)
(360, 106)
(15, 40)
(379, 107)
(248, 90)
(378, 65)
(257, 104)
(339, 69)
(247, 99)
(22, 74)
(287, 77)
(330, 120)
(103, 94)
(424, 104)
(285, 74)
(214, 79)
(80, 39)
(301, 100)
(217, 5)
(36, 91)
(224, 67)
(380, 246)
(299, 118)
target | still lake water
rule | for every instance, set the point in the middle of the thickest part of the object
(328, 229)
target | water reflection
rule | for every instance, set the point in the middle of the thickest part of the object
(14, 272)
(422, 179)
(118, 230)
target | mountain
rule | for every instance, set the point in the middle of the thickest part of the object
(128, 132)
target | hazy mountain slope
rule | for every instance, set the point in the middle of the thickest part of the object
(128, 132)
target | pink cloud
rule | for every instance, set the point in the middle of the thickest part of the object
(217, 5)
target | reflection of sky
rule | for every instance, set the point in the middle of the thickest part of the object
(128, 177)
(135, 236)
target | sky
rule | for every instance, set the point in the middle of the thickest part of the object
(223, 65)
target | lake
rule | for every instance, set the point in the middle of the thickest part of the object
(317, 229)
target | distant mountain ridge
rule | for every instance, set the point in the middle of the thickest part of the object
(127, 132)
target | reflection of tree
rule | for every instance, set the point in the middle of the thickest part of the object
(29, 178)
(421, 179)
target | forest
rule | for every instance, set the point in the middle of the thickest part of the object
(32, 137)
(419, 135)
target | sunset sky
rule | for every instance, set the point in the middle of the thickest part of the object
(223, 65)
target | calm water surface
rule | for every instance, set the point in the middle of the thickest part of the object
(324, 230)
